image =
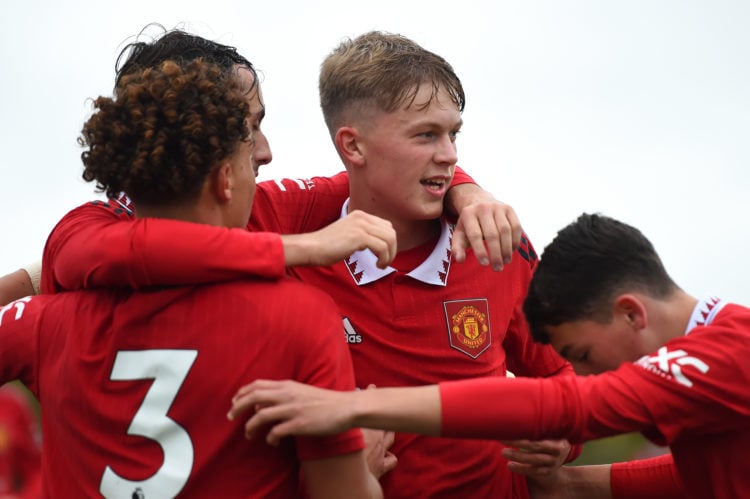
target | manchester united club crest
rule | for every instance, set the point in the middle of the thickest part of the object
(469, 325)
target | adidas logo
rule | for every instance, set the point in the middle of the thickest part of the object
(350, 334)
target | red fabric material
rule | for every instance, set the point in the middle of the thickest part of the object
(653, 478)
(97, 360)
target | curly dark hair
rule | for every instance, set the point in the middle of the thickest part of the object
(585, 267)
(175, 45)
(164, 131)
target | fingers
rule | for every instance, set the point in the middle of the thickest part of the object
(491, 229)
(269, 401)
(536, 458)
(367, 231)
(379, 460)
(388, 439)
(469, 233)
(253, 394)
(516, 231)
(497, 237)
(389, 462)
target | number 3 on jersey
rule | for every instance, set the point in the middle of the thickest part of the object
(168, 369)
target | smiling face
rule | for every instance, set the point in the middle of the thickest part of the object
(408, 159)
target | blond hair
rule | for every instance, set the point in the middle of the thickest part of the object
(381, 71)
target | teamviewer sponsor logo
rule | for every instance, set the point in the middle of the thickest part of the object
(670, 364)
(350, 333)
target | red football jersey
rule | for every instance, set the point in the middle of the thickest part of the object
(135, 386)
(651, 478)
(90, 247)
(692, 394)
(93, 233)
(404, 328)
(431, 322)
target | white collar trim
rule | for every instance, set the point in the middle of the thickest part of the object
(704, 312)
(434, 270)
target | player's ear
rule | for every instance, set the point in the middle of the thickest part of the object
(632, 310)
(349, 145)
(223, 182)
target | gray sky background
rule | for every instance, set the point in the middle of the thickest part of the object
(637, 109)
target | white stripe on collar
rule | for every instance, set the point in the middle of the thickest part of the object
(434, 270)
(704, 312)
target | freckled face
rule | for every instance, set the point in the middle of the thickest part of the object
(410, 158)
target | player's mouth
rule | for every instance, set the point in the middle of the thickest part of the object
(435, 185)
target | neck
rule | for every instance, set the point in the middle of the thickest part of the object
(413, 234)
(409, 233)
(187, 212)
(670, 317)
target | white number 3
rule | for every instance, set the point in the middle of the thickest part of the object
(168, 369)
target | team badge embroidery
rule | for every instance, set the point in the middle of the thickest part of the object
(468, 325)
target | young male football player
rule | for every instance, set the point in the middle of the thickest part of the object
(394, 110)
(670, 365)
(132, 384)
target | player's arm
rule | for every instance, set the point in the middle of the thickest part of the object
(488, 408)
(298, 409)
(488, 226)
(101, 244)
(20, 283)
(355, 232)
(344, 477)
(574, 482)
(653, 478)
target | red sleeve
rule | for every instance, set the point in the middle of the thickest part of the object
(100, 244)
(654, 478)
(578, 408)
(296, 206)
(461, 177)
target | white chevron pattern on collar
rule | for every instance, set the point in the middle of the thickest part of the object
(704, 312)
(434, 270)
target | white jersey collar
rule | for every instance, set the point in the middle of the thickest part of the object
(434, 270)
(704, 312)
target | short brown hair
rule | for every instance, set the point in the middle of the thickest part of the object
(164, 131)
(384, 71)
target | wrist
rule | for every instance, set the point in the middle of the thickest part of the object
(298, 249)
(463, 195)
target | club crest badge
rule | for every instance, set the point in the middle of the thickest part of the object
(468, 325)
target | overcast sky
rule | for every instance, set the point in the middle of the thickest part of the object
(638, 109)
